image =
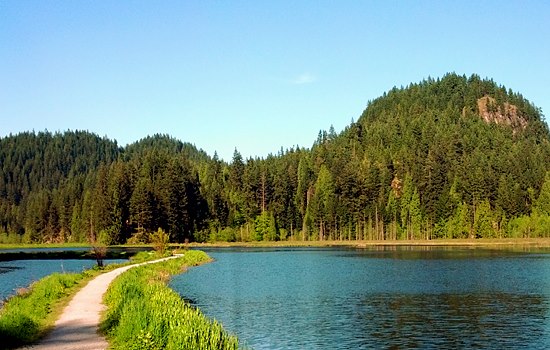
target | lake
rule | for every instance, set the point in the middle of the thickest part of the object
(385, 297)
(21, 273)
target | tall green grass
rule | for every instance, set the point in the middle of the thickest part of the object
(26, 317)
(144, 313)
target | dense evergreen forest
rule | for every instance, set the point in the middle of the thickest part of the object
(456, 157)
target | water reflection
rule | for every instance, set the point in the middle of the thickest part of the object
(444, 252)
(393, 321)
(72, 249)
(6, 269)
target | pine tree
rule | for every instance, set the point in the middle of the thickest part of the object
(142, 205)
(303, 193)
(542, 204)
(483, 220)
(415, 215)
(322, 202)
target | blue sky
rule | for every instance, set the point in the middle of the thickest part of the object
(251, 75)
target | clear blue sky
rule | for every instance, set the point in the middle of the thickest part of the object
(252, 75)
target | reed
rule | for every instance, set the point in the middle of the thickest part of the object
(144, 313)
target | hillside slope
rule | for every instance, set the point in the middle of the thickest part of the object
(433, 139)
(451, 157)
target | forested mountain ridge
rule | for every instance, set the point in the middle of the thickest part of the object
(443, 159)
(453, 157)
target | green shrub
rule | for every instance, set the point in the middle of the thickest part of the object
(143, 256)
(6, 238)
(227, 234)
(143, 313)
(160, 240)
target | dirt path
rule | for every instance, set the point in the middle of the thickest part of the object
(77, 327)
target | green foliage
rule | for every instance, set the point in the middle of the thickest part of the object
(459, 224)
(411, 215)
(143, 313)
(6, 238)
(418, 163)
(227, 234)
(483, 220)
(261, 226)
(322, 204)
(160, 240)
(265, 228)
(24, 317)
(145, 256)
(542, 205)
(140, 237)
(535, 225)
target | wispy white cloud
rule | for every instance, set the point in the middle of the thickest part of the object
(304, 78)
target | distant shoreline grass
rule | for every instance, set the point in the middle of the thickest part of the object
(483, 242)
(480, 242)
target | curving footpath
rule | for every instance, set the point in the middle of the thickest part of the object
(77, 327)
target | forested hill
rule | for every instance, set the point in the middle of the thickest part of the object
(31, 162)
(455, 157)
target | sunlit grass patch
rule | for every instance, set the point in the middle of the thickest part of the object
(144, 313)
(27, 315)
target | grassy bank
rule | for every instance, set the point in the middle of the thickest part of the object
(144, 313)
(540, 242)
(29, 315)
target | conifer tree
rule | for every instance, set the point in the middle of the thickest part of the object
(542, 204)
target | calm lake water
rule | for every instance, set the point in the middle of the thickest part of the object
(21, 273)
(393, 297)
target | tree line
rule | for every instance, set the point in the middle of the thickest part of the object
(419, 163)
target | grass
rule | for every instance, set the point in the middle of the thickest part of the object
(541, 242)
(42, 245)
(482, 242)
(29, 315)
(144, 313)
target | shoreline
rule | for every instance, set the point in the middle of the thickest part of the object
(480, 242)
(483, 242)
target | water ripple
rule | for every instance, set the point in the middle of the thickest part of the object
(322, 299)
